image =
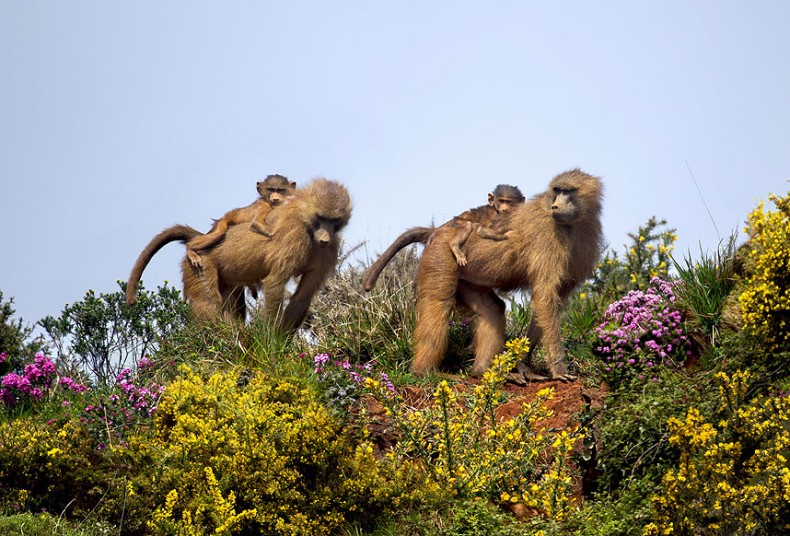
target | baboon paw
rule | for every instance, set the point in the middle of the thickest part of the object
(564, 377)
(516, 377)
(195, 260)
(461, 260)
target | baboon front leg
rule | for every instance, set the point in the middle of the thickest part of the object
(544, 329)
(299, 304)
(489, 336)
(273, 295)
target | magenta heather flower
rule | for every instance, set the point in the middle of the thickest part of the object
(641, 330)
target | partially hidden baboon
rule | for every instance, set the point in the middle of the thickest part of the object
(305, 243)
(554, 242)
(478, 220)
(273, 190)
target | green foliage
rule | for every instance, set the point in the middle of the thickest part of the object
(631, 431)
(766, 300)
(733, 477)
(479, 518)
(102, 335)
(45, 465)
(706, 287)
(16, 339)
(647, 257)
(624, 512)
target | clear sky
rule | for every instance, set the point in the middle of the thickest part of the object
(118, 119)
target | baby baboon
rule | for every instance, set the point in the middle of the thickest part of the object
(273, 190)
(554, 241)
(478, 220)
(305, 242)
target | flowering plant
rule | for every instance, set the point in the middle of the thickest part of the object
(343, 381)
(641, 331)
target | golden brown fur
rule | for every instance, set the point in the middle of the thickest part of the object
(273, 190)
(554, 241)
(305, 242)
(477, 220)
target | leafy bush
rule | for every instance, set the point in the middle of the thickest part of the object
(16, 339)
(465, 450)
(733, 477)
(647, 257)
(631, 428)
(640, 333)
(766, 300)
(102, 335)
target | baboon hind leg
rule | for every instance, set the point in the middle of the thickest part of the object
(489, 336)
(437, 278)
(201, 290)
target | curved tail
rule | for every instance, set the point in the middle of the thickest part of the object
(412, 236)
(171, 234)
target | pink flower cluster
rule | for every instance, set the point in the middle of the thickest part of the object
(113, 417)
(31, 384)
(323, 368)
(641, 331)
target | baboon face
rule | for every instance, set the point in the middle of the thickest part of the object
(274, 189)
(323, 230)
(505, 197)
(329, 211)
(572, 198)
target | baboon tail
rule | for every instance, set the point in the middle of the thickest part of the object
(412, 236)
(171, 234)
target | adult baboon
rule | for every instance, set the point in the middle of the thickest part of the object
(305, 242)
(478, 220)
(554, 241)
(273, 190)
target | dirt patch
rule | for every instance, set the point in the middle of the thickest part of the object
(570, 398)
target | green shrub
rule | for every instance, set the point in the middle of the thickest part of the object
(16, 338)
(733, 476)
(102, 335)
(632, 438)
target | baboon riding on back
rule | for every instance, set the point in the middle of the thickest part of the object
(554, 241)
(302, 240)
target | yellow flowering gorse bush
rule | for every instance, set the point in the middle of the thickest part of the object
(465, 450)
(732, 477)
(265, 457)
(766, 301)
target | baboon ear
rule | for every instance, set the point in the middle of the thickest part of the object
(293, 184)
(491, 199)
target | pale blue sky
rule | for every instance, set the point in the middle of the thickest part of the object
(120, 119)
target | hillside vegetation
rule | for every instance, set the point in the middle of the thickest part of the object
(135, 420)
